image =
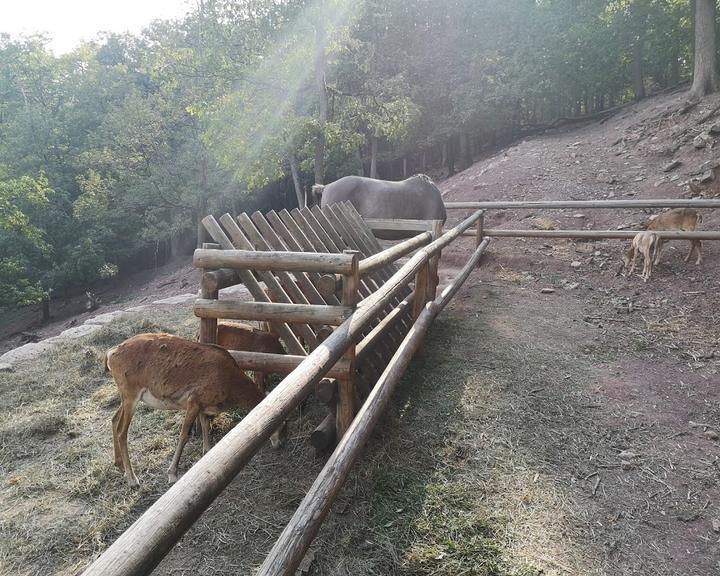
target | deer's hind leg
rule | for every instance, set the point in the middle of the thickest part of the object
(658, 251)
(695, 245)
(192, 412)
(123, 425)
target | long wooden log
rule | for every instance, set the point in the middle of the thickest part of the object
(583, 204)
(295, 539)
(403, 225)
(597, 234)
(272, 311)
(273, 261)
(281, 363)
(140, 548)
(382, 259)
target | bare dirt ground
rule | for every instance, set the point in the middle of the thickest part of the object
(135, 290)
(567, 433)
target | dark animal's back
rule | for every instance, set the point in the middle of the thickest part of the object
(416, 198)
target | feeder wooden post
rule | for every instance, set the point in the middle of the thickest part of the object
(423, 284)
(345, 398)
(437, 231)
(479, 231)
(208, 326)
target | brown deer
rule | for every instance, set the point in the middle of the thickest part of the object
(238, 336)
(685, 219)
(170, 373)
(644, 243)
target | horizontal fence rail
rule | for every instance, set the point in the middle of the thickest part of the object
(272, 312)
(294, 541)
(281, 363)
(578, 204)
(621, 234)
(386, 257)
(398, 224)
(269, 261)
(140, 548)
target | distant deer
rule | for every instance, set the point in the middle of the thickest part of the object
(685, 219)
(171, 373)
(644, 243)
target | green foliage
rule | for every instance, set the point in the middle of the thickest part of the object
(130, 140)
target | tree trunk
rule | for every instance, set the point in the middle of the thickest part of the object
(405, 166)
(296, 182)
(203, 200)
(46, 307)
(373, 156)
(675, 70)
(450, 157)
(320, 67)
(465, 151)
(361, 164)
(637, 69)
(705, 79)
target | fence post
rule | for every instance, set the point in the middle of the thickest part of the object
(208, 326)
(423, 285)
(479, 232)
(437, 231)
(345, 411)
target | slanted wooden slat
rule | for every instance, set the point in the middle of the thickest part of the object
(308, 296)
(278, 292)
(292, 344)
(277, 244)
(305, 220)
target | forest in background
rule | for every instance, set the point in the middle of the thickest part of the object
(113, 152)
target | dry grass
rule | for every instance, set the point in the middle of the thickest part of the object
(62, 498)
(479, 467)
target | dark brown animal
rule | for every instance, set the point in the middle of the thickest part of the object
(416, 198)
(171, 373)
(243, 337)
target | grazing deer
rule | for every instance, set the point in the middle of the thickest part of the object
(646, 244)
(243, 337)
(171, 373)
(685, 219)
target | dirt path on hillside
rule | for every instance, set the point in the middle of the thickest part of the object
(632, 443)
(586, 435)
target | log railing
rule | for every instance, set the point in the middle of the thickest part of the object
(585, 204)
(138, 550)
(294, 541)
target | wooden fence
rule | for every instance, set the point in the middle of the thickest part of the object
(343, 310)
(350, 320)
(378, 225)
